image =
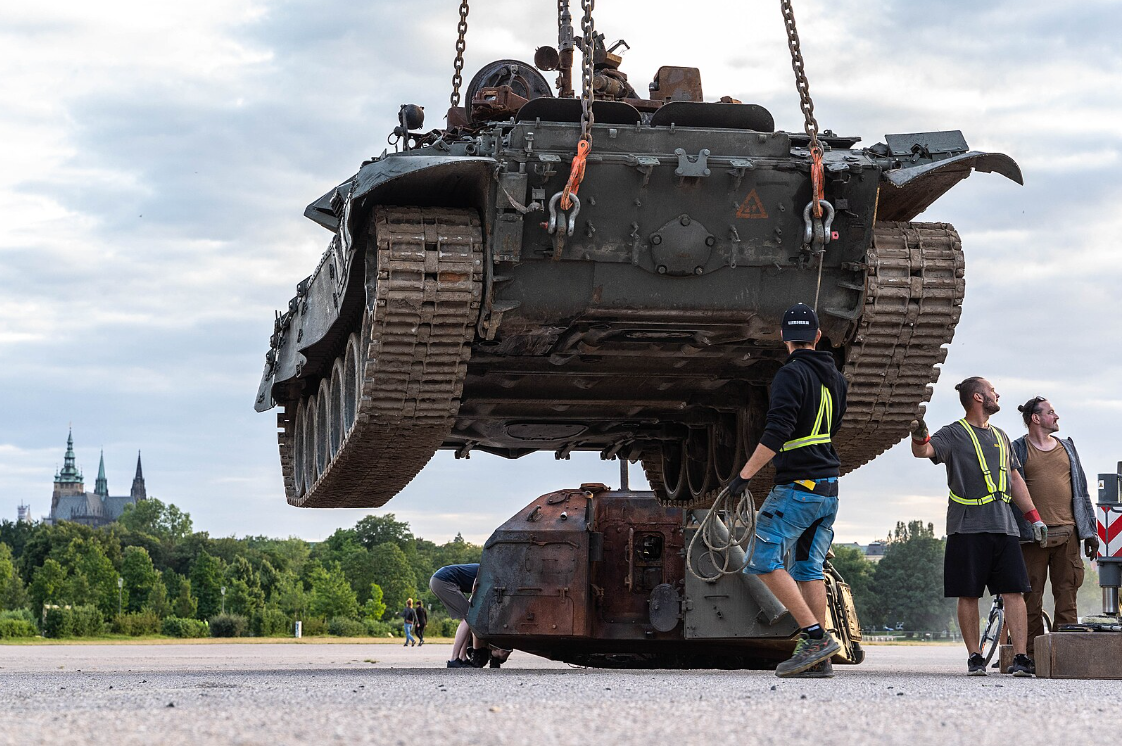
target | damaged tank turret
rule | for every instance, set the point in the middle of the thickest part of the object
(471, 300)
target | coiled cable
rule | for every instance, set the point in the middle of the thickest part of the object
(724, 538)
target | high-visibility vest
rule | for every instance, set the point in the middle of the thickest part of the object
(817, 436)
(998, 491)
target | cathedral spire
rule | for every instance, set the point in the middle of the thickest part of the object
(138, 491)
(69, 473)
(101, 486)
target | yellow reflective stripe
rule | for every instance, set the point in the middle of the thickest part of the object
(981, 457)
(1004, 497)
(816, 437)
(1002, 471)
(810, 440)
(1001, 490)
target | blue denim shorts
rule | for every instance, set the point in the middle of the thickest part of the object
(793, 519)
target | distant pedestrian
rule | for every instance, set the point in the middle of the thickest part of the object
(410, 619)
(422, 621)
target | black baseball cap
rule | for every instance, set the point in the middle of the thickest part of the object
(800, 324)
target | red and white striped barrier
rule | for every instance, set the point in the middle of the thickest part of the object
(1110, 530)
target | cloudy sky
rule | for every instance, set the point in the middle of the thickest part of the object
(156, 158)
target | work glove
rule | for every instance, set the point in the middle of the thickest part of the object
(1040, 532)
(737, 485)
(1091, 547)
(919, 430)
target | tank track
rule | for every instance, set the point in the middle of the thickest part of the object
(913, 300)
(423, 289)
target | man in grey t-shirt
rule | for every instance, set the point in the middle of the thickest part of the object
(983, 540)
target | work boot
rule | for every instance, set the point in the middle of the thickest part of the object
(823, 670)
(457, 663)
(976, 665)
(1023, 666)
(808, 652)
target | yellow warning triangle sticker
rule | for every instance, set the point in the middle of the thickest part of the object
(751, 208)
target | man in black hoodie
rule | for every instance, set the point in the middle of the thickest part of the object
(806, 408)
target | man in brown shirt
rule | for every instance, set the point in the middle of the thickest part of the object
(1058, 486)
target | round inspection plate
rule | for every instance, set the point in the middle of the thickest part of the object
(665, 607)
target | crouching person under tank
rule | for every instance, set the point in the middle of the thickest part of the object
(806, 407)
(453, 585)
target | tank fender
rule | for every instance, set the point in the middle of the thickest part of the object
(910, 189)
(376, 174)
(976, 159)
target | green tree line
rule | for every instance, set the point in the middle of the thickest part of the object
(906, 586)
(151, 566)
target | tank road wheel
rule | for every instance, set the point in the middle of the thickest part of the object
(725, 443)
(296, 455)
(311, 473)
(673, 471)
(392, 394)
(351, 384)
(323, 429)
(699, 464)
(335, 419)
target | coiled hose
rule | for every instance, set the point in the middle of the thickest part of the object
(723, 539)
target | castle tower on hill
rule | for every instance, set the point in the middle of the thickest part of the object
(71, 502)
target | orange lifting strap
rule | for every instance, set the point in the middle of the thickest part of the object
(816, 179)
(576, 175)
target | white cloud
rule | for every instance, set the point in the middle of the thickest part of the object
(157, 160)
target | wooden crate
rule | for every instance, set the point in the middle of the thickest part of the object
(1079, 655)
(1005, 655)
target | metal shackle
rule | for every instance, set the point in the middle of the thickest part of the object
(572, 215)
(808, 231)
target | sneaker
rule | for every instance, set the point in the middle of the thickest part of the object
(976, 665)
(478, 657)
(1023, 666)
(457, 663)
(822, 670)
(808, 652)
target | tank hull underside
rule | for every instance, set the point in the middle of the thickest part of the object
(650, 334)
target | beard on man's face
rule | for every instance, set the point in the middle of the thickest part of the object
(990, 405)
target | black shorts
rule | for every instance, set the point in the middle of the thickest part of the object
(974, 561)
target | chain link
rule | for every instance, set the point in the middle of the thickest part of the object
(801, 83)
(461, 45)
(588, 48)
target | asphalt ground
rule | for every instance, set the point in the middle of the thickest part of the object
(385, 694)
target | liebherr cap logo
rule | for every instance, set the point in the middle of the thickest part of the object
(800, 324)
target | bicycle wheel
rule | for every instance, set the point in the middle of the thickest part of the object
(1047, 622)
(991, 635)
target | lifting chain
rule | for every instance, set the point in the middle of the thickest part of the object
(817, 231)
(805, 102)
(588, 51)
(584, 145)
(461, 45)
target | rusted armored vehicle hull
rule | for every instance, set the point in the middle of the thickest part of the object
(446, 314)
(599, 578)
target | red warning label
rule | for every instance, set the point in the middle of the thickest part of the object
(751, 208)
